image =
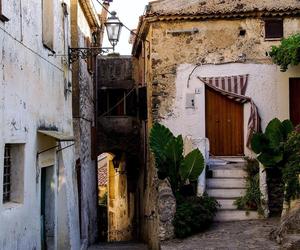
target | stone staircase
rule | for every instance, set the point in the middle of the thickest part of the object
(226, 183)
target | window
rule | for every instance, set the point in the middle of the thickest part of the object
(7, 174)
(117, 102)
(48, 24)
(273, 28)
(2, 17)
(13, 173)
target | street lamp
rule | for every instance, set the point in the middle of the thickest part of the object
(113, 27)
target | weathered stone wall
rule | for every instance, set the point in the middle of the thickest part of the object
(32, 96)
(174, 61)
(206, 47)
(84, 116)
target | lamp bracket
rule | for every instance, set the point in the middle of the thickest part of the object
(75, 53)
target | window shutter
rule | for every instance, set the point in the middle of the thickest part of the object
(142, 103)
(273, 28)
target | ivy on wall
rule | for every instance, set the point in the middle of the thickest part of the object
(287, 53)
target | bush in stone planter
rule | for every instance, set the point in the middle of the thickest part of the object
(194, 214)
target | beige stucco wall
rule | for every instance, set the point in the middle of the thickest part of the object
(31, 96)
(120, 203)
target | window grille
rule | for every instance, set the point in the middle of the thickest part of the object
(7, 174)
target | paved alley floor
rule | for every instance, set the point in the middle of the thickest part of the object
(230, 236)
(119, 246)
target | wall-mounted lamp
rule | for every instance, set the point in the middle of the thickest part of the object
(113, 27)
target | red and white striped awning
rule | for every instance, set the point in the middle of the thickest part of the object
(234, 87)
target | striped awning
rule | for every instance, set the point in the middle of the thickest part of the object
(234, 87)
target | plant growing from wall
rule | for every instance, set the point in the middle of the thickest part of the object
(287, 53)
(169, 159)
(252, 199)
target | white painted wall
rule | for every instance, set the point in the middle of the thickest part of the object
(267, 86)
(31, 96)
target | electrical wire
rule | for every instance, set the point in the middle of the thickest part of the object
(31, 50)
(125, 26)
(119, 102)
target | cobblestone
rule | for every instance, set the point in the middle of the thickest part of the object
(241, 235)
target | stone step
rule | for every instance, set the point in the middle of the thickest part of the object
(227, 204)
(228, 173)
(226, 183)
(226, 193)
(236, 215)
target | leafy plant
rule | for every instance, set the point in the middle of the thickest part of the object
(270, 145)
(252, 199)
(194, 214)
(169, 159)
(291, 170)
(288, 53)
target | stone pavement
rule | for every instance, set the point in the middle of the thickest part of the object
(240, 235)
(119, 246)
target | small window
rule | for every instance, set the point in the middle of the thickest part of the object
(48, 24)
(117, 102)
(13, 173)
(273, 28)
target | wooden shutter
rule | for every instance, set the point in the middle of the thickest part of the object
(142, 99)
(48, 24)
(273, 28)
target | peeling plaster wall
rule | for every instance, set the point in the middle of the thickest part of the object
(217, 49)
(32, 96)
(217, 42)
(84, 112)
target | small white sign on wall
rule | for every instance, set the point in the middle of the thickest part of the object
(198, 91)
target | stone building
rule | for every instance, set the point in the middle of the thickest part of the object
(87, 27)
(190, 54)
(38, 192)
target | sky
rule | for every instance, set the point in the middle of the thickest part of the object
(128, 12)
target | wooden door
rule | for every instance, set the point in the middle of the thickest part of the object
(224, 124)
(295, 100)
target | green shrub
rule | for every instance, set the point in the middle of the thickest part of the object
(194, 214)
(169, 159)
(252, 199)
(291, 170)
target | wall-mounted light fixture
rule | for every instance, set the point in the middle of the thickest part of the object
(113, 27)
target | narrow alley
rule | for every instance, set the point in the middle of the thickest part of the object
(149, 124)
